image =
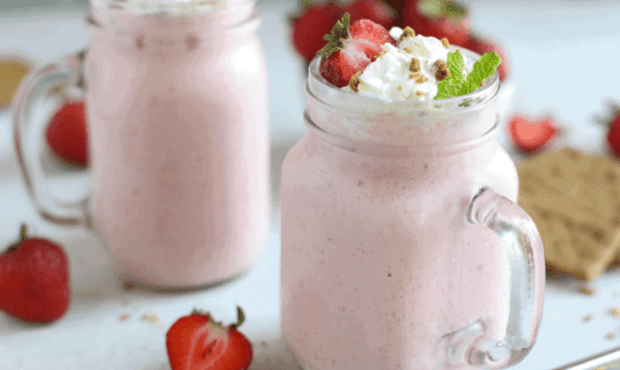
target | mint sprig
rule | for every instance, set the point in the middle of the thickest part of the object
(456, 84)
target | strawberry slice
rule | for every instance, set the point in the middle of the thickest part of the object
(196, 342)
(530, 136)
(350, 50)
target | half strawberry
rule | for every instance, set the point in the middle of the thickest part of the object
(197, 342)
(350, 49)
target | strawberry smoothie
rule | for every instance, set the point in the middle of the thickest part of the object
(379, 261)
(177, 114)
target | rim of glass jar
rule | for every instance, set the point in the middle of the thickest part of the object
(360, 104)
(251, 21)
(216, 5)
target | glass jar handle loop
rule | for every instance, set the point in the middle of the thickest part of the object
(31, 102)
(520, 237)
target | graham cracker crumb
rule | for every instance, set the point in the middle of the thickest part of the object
(381, 54)
(355, 81)
(421, 79)
(614, 311)
(408, 50)
(610, 336)
(263, 343)
(446, 43)
(419, 93)
(587, 318)
(442, 70)
(150, 318)
(129, 285)
(415, 65)
(124, 317)
(407, 32)
(587, 290)
(400, 88)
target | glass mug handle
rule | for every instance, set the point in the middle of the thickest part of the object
(28, 135)
(520, 237)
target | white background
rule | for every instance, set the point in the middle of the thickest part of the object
(565, 58)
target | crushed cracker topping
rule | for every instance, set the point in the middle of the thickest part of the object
(442, 70)
(446, 43)
(263, 343)
(124, 317)
(381, 54)
(407, 32)
(415, 65)
(614, 311)
(129, 285)
(355, 81)
(408, 50)
(400, 88)
(419, 93)
(421, 79)
(587, 318)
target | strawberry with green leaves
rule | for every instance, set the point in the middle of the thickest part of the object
(439, 18)
(350, 49)
(197, 342)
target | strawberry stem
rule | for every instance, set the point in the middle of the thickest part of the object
(240, 318)
(335, 39)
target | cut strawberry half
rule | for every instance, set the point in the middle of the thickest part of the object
(197, 342)
(350, 49)
(530, 136)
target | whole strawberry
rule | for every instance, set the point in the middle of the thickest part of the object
(374, 10)
(613, 134)
(439, 18)
(350, 49)
(197, 342)
(34, 280)
(482, 46)
(309, 27)
(66, 134)
(530, 135)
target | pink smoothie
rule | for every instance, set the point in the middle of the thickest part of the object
(378, 259)
(177, 114)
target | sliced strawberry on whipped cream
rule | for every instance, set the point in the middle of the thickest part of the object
(350, 49)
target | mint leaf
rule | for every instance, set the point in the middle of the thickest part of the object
(456, 65)
(448, 88)
(484, 69)
(456, 84)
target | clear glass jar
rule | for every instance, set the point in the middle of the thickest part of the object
(402, 247)
(176, 97)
